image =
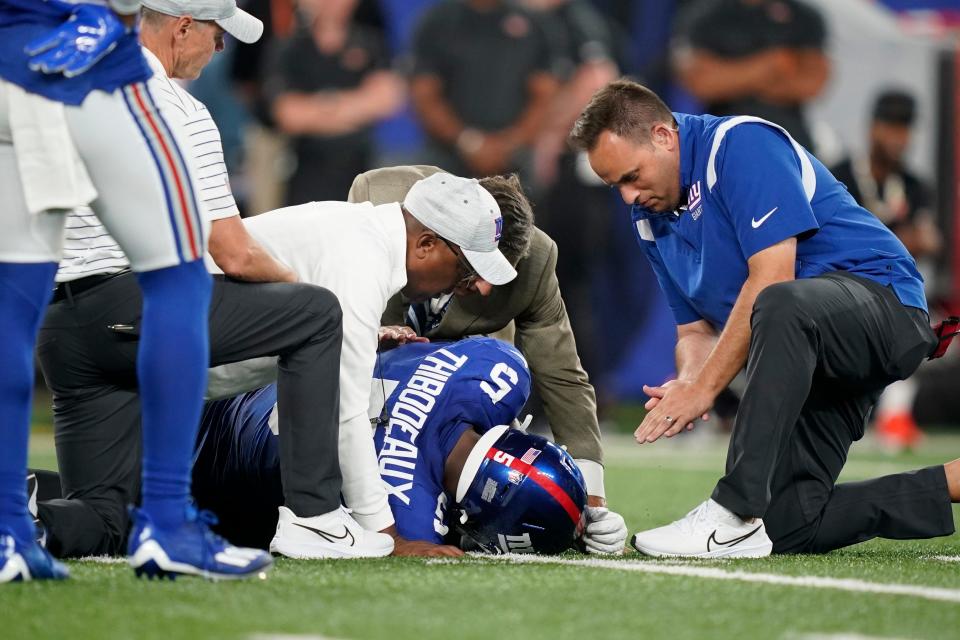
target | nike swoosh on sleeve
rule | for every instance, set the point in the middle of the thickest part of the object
(756, 223)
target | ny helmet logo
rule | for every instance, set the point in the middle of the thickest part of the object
(498, 231)
(515, 544)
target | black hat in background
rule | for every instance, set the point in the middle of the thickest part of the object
(895, 107)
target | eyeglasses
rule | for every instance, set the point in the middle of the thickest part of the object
(464, 267)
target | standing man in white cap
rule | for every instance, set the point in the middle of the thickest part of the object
(444, 234)
(91, 329)
(224, 14)
(84, 110)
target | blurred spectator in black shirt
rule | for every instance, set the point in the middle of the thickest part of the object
(584, 62)
(481, 85)
(881, 182)
(327, 85)
(279, 19)
(762, 58)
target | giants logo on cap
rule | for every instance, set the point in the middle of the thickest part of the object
(499, 229)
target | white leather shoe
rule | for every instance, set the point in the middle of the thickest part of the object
(709, 531)
(331, 535)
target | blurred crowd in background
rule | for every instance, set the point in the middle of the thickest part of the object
(479, 87)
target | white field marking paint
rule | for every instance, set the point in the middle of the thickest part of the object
(102, 559)
(835, 636)
(288, 636)
(946, 558)
(710, 573)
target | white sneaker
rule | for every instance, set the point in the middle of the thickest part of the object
(709, 531)
(331, 535)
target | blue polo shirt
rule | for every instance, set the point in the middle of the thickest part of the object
(749, 185)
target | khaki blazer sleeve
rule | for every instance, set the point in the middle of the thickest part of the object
(389, 184)
(545, 338)
(395, 313)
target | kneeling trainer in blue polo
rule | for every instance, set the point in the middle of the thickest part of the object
(749, 186)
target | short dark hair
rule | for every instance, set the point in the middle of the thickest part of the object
(895, 106)
(517, 215)
(623, 107)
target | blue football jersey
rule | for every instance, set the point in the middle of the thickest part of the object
(235, 445)
(22, 21)
(434, 392)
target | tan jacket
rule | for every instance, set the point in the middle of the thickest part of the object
(533, 303)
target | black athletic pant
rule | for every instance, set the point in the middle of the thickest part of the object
(821, 352)
(87, 349)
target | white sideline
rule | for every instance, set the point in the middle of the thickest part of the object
(288, 636)
(835, 636)
(947, 558)
(103, 559)
(711, 573)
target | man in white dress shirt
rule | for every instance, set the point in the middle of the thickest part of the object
(88, 343)
(444, 235)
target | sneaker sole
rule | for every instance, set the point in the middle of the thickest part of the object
(755, 551)
(15, 570)
(320, 551)
(152, 561)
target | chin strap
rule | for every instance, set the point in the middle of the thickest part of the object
(946, 331)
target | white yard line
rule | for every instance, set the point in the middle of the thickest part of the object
(288, 636)
(835, 636)
(946, 558)
(103, 559)
(711, 573)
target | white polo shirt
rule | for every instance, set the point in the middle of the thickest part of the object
(357, 251)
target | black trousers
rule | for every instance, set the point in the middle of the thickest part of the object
(821, 352)
(87, 350)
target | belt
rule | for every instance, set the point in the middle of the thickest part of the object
(72, 288)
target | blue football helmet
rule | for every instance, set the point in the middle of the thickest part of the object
(520, 493)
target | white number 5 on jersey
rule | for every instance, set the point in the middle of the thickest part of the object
(497, 374)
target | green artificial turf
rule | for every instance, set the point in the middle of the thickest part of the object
(489, 599)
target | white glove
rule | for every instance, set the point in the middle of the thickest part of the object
(606, 531)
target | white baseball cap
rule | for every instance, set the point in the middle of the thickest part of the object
(463, 212)
(235, 21)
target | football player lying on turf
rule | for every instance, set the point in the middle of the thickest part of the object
(447, 458)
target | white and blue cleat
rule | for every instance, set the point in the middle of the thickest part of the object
(191, 549)
(23, 561)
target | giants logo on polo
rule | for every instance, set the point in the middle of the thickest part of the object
(694, 200)
(498, 231)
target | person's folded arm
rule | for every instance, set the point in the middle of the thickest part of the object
(241, 257)
(435, 112)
